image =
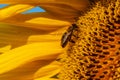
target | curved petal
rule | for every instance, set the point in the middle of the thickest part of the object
(5, 49)
(46, 79)
(65, 8)
(44, 38)
(60, 31)
(24, 72)
(47, 72)
(8, 35)
(21, 55)
(56, 7)
(77, 4)
(50, 22)
(53, 36)
(37, 23)
(41, 14)
(13, 10)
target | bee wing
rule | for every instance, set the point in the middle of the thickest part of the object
(65, 38)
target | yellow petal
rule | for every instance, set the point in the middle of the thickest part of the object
(41, 14)
(16, 36)
(46, 78)
(50, 23)
(24, 72)
(65, 7)
(24, 54)
(77, 4)
(13, 10)
(38, 23)
(47, 72)
(60, 31)
(44, 38)
(56, 7)
(5, 49)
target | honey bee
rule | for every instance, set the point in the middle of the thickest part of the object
(67, 35)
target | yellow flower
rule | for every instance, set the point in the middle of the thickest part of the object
(30, 43)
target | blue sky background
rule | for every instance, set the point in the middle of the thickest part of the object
(36, 9)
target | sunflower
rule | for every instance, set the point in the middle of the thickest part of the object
(30, 43)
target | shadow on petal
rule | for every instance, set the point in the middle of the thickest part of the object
(15, 35)
(24, 72)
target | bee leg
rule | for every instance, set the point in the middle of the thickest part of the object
(76, 36)
(72, 41)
